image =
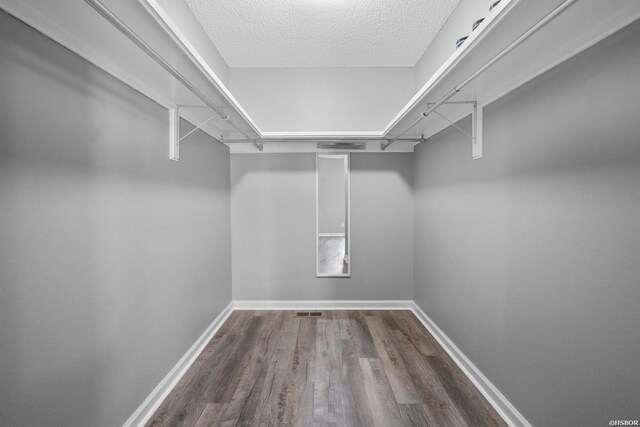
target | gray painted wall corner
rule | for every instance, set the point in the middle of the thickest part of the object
(528, 258)
(107, 248)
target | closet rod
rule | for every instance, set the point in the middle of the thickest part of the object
(131, 35)
(531, 31)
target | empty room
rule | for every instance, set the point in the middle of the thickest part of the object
(319, 213)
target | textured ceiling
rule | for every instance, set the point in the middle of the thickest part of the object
(321, 33)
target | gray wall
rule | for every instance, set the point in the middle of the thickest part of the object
(322, 98)
(113, 260)
(273, 225)
(529, 258)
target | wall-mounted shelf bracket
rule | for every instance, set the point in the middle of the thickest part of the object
(174, 134)
(477, 121)
(174, 130)
(477, 112)
(476, 126)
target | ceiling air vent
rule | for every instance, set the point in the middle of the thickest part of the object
(341, 145)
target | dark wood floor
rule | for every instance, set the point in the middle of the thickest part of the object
(349, 368)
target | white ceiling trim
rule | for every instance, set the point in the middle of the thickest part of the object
(164, 16)
(413, 102)
(293, 135)
(450, 62)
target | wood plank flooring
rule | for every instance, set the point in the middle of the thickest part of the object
(348, 368)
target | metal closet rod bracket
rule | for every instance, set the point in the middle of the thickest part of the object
(174, 129)
(387, 142)
(478, 112)
(174, 117)
(476, 125)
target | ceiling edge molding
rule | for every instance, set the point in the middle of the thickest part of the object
(322, 134)
(162, 14)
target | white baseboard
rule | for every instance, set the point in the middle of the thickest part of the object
(322, 305)
(503, 407)
(162, 390)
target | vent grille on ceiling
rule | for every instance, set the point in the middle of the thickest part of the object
(341, 145)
